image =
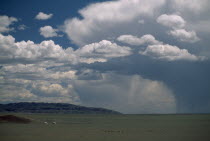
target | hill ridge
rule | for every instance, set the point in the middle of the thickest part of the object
(39, 107)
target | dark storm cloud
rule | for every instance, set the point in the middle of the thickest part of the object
(188, 80)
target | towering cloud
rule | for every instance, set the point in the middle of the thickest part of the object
(110, 16)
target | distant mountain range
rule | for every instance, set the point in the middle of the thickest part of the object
(26, 107)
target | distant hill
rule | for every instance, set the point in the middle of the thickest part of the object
(13, 119)
(26, 107)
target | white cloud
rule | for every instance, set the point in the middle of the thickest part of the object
(173, 21)
(48, 31)
(40, 70)
(136, 41)
(64, 75)
(110, 15)
(48, 50)
(9, 49)
(20, 68)
(46, 88)
(22, 85)
(43, 16)
(177, 23)
(127, 94)
(159, 50)
(103, 50)
(19, 90)
(168, 52)
(6, 46)
(95, 52)
(5, 23)
(15, 94)
(115, 10)
(185, 36)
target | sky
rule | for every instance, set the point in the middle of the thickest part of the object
(132, 56)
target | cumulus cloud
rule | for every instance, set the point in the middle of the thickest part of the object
(39, 71)
(6, 45)
(48, 31)
(185, 36)
(127, 94)
(168, 52)
(112, 20)
(103, 49)
(110, 15)
(5, 23)
(158, 50)
(48, 50)
(173, 21)
(49, 89)
(28, 50)
(37, 83)
(64, 75)
(43, 16)
(15, 94)
(20, 90)
(136, 41)
(22, 68)
(177, 23)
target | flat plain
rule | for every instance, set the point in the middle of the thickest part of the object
(68, 127)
